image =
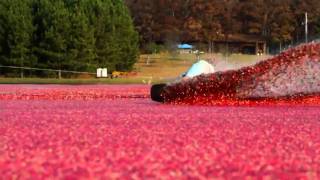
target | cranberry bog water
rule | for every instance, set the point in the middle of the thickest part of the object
(262, 130)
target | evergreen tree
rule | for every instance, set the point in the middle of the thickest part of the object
(51, 36)
(3, 34)
(15, 33)
(100, 19)
(78, 35)
(126, 38)
(116, 41)
(81, 39)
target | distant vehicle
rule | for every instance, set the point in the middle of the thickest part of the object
(121, 74)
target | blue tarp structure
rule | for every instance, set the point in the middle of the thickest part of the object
(185, 46)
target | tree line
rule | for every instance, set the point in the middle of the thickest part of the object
(77, 35)
(277, 21)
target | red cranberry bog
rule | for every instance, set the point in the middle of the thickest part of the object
(259, 122)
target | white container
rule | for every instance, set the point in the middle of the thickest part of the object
(99, 72)
(104, 72)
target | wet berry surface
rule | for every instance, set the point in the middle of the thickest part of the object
(116, 131)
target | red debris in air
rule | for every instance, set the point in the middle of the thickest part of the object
(291, 77)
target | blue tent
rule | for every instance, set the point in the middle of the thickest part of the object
(185, 46)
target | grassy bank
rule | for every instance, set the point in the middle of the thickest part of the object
(172, 65)
(138, 80)
(151, 69)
